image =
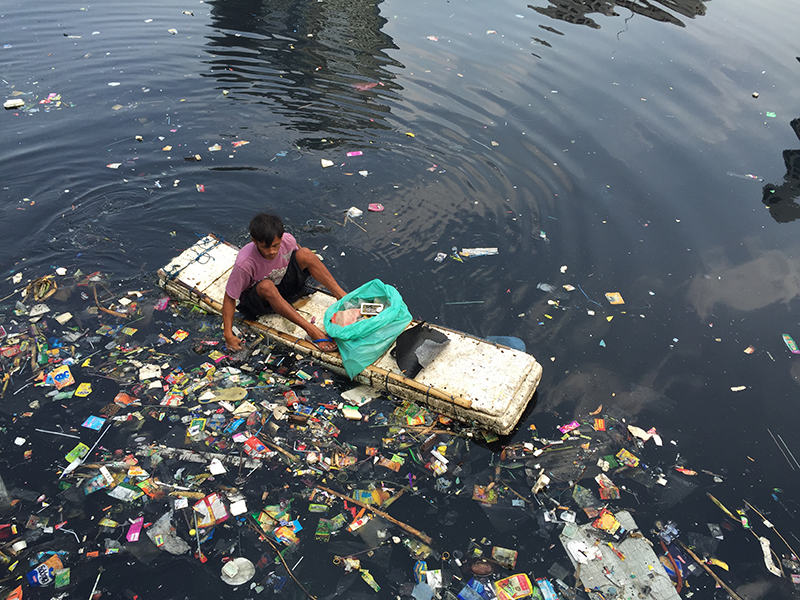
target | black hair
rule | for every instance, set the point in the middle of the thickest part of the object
(265, 228)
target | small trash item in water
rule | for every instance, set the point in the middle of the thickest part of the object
(123, 399)
(607, 491)
(504, 556)
(172, 31)
(95, 423)
(38, 310)
(355, 153)
(440, 256)
(473, 252)
(44, 573)
(326, 163)
(13, 103)
(354, 212)
(546, 287)
(481, 568)
(61, 377)
(135, 530)
(215, 148)
(238, 571)
(484, 494)
(216, 467)
(627, 459)
(614, 298)
(351, 413)
(114, 165)
(569, 427)
(84, 389)
(149, 372)
(375, 207)
(749, 349)
(210, 510)
(366, 576)
(420, 568)
(62, 577)
(41, 289)
(516, 586)
(739, 388)
(607, 522)
(63, 317)
(745, 176)
(790, 343)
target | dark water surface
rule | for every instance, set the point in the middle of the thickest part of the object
(612, 147)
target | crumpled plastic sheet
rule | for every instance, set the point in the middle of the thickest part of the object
(172, 543)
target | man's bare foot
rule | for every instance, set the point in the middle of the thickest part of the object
(320, 339)
(325, 344)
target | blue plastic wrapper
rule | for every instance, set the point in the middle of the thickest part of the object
(474, 590)
(41, 576)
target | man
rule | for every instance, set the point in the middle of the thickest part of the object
(270, 272)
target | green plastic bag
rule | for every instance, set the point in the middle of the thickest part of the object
(363, 342)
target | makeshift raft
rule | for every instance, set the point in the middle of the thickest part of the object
(472, 380)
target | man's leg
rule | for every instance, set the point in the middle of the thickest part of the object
(309, 261)
(267, 290)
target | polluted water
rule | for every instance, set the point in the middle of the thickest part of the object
(133, 440)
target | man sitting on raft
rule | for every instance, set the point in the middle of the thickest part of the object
(270, 272)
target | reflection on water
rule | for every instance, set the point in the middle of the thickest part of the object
(577, 11)
(615, 169)
(771, 277)
(781, 199)
(323, 66)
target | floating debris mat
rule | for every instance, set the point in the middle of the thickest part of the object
(613, 558)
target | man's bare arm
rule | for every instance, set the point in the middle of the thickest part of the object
(228, 310)
(306, 259)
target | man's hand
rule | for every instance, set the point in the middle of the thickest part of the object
(228, 308)
(232, 342)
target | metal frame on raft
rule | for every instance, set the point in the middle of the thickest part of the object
(199, 275)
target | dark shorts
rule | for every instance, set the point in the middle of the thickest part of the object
(291, 287)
